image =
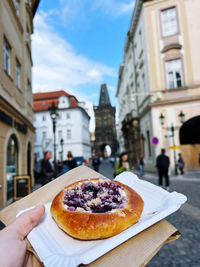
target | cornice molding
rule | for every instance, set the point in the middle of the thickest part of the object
(175, 101)
(171, 46)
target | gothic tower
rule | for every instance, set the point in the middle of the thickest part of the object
(105, 130)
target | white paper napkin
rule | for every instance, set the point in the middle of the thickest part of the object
(56, 248)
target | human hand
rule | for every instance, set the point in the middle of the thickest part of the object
(12, 238)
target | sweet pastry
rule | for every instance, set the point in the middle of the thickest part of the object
(96, 208)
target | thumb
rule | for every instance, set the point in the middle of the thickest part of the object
(28, 220)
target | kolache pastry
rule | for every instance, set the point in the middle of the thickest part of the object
(96, 208)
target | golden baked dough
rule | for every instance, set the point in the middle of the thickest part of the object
(96, 208)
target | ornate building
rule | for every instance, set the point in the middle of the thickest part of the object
(72, 126)
(159, 79)
(105, 130)
(16, 105)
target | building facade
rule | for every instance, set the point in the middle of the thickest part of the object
(159, 77)
(16, 105)
(105, 130)
(72, 126)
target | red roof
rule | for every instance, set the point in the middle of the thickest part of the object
(43, 101)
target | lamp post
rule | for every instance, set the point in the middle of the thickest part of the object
(54, 114)
(61, 144)
(172, 129)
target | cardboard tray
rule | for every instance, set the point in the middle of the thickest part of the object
(139, 249)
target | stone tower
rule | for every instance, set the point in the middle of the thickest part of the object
(105, 130)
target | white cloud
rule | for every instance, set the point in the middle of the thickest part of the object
(58, 66)
(114, 7)
(72, 10)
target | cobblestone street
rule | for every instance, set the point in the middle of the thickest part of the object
(184, 251)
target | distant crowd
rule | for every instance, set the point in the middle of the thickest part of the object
(45, 171)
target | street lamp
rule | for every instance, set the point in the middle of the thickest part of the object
(54, 114)
(61, 144)
(173, 129)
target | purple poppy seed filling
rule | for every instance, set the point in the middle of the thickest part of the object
(95, 196)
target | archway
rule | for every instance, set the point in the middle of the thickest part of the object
(11, 165)
(107, 151)
(190, 142)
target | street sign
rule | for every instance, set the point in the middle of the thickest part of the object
(154, 140)
(174, 147)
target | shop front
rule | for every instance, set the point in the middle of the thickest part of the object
(16, 153)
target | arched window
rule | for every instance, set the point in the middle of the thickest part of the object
(29, 159)
(11, 165)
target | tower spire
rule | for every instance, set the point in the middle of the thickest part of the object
(104, 99)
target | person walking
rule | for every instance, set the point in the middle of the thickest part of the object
(122, 164)
(70, 163)
(162, 165)
(95, 163)
(181, 163)
(47, 170)
(141, 165)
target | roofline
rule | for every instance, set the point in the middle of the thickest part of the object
(46, 110)
(35, 7)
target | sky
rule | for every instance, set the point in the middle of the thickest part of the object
(77, 45)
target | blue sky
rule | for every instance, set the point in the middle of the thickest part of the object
(78, 44)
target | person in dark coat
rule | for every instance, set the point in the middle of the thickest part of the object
(70, 163)
(162, 165)
(95, 163)
(141, 165)
(181, 163)
(47, 171)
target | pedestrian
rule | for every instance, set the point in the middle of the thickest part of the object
(12, 238)
(162, 165)
(122, 164)
(95, 163)
(141, 165)
(181, 163)
(70, 163)
(47, 171)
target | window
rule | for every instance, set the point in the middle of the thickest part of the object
(149, 143)
(29, 91)
(6, 56)
(59, 116)
(27, 35)
(174, 73)
(44, 118)
(44, 135)
(17, 73)
(11, 165)
(69, 134)
(68, 116)
(16, 5)
(59, 135)
(169, 22)
(29, 2)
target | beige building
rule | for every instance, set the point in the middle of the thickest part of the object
(162, 45)
(16, 104)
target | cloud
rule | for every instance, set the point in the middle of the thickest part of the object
(114, 7)
(58, 66)
(77, 8)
